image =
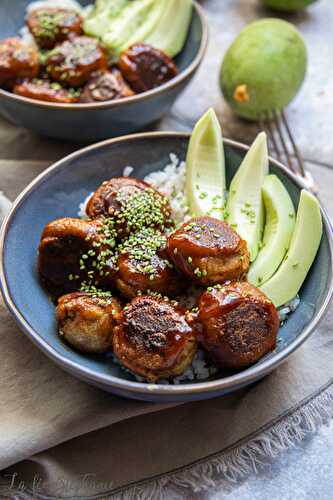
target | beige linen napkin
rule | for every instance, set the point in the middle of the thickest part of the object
(62, 438)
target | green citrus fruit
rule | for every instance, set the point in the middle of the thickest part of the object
(263, 68)
(287, 5)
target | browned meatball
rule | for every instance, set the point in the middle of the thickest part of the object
(72, 251)
(73, 62)
(17, 60)
(154, 339)
(133, 203)
(145, 67)
(105, 86)
(239, 324)
(50, 25)
(209, 251)
(44, 90)
(87, 321)
(143, 266)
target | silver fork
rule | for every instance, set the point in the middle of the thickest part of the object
(284, 146)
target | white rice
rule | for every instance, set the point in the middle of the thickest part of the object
(171, 182)
(288, 308)
(62, 4)
(127, 171)
(199, 370)
(27, 36)
(82, 213)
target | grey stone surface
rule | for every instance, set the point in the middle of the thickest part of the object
(310, 114)
(304, 473)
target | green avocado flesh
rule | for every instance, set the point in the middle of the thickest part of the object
(245, 205)
(134, 18)
(205, 168)
(169, 34)
(163, 24)
(100, 19)
(264, 68)
(288, 279)
(279, 227)
(287, 5)
(148, 25)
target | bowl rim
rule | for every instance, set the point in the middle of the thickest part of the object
(228, 383)
(174, 82)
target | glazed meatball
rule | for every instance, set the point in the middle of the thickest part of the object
(145, 67)
(143, 266)
(73, 62)
(106, 86)
(209, 251)
(239, 324)
(44, 90)
(87, 321)
(133, 203)
(17, 60)
(154, 339)
(50, 25)
(72, 251)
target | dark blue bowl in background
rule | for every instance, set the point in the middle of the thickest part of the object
(92, 122)
(58, 191)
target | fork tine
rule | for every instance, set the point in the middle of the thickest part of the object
(296, 150)
(267, 127)
(283, 142)
(279, 133)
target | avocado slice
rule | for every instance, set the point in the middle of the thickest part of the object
(170, 33)
(279, 227)
(136, 17)
(245, 205)
(205, 168)
(100, 19)
(105, 5)
(156, 13)
(163, 24)
(287, 281)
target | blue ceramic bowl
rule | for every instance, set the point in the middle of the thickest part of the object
(58, 191)
(93, 122)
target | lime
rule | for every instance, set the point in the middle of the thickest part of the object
(263, 68)
(287, 5)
